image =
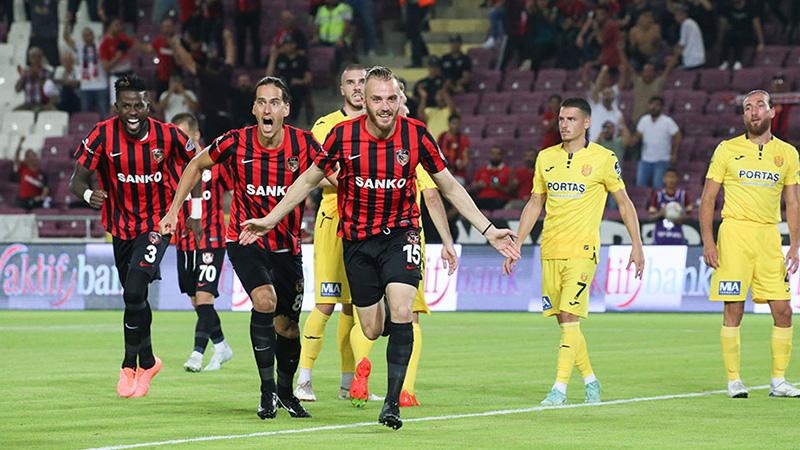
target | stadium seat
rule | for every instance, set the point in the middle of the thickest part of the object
(18, 122)
(550, 80)
(530, 129)
(82, 123)
(52, 123)
(688, 101)
(473, 126)
(60, 147)
(501, 127)
(745, 80)
(574, 81)
(320, 61)
(518, 81)
(793, 59)
(485, 80)
(640, 195)
(772, 56)
(728, 126)
(694, 124)
(723, 102)
(713, 80)
(6, 169)
(482, 58)
(687, 147)
(466, 103)
(681, 79)
(527, 102)
(496, 103)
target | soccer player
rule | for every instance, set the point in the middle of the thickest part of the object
(571, 181)
(137, 158)
(266, 159)
(377, 154)
(329, 276)
(755, 169)
(201, 253)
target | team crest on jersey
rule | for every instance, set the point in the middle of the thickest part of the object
(586, 170)
(293, 163)
(206, 176)
(158, 154)
(412, 236)
(298, 285)
(778, 161)
(189, 145)
(402, 156)
(584, 276)
(154, 238)
(208, 258)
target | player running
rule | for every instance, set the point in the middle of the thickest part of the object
(571, 181)
(137, 158)
(755, 168)
(201, 253)
(265, 159)
(377, 155)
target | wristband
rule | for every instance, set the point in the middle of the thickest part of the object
(197, 209)
(483, 233)
(87, 196)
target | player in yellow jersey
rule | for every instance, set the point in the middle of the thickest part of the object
(331, 282)
(755, 169)
(571, 181)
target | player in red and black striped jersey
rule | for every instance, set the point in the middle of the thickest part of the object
(138, 159)
(266, 160)
(377, 155)
(200, 243)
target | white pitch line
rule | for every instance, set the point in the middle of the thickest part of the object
(501, 412)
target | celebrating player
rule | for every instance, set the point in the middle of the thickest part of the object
(201, 253)
(137, 158)
(266, 159)
(754, 169)
(377, 155)
(571, 181)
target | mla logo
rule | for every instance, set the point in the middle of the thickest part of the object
(730, 287)
(328, 289)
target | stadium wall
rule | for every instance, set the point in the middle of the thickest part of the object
(83, 276)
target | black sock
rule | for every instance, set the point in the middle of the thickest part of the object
(202, 328)
(131, 321)
(146, 358)
(134, 318)
(262, 336)
(287, 355)
(398, 353)
(216, 327)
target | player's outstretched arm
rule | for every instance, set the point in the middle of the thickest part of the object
(502, 239)
(439, 217)
(189, 179)
(530, 214)
(707, 201)
(790, 196)
(79, 186)
(631, 220)
(252, 229)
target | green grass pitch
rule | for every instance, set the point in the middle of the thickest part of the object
(59, 370)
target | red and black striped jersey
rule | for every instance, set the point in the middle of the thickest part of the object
(261, 177)
(140, 176)
(377, 181)
(215, 181)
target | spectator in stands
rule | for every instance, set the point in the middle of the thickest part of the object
(645, 43)
(33, 188)
(115, 54)
(690, 47)
(496, 19)
(670, 206)
(242, 102)
(743, 30)
(161, 8)
(455, 146)
(125, 10)
(176, 99)
(614, 139)
(493, 186)
(365, 13)
(780, 123)
(214, 77)
(44, 29)
(247, 17)
(91, 8)
(660, 139)
(514, 26)
(603, 100)
(289, 27)
(601, 38)
(573, 9)
(568, 55)
(32, 81)
(541, 28)
(416, 11)
(456, 67)
(523, 177)
(292, 66)
(550, 122)
(161, 48)
(704, 13)
(631, 13)
(94, 81)
(648, 84)
(436, 117)
(431, 84)
(334, 28)
(67, 82)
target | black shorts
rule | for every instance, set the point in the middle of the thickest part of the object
(199, 270)
(141, 253)
(284, 271)
(371, 264)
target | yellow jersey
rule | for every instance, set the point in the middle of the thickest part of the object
(753, 177)
(577, 186)
(424, 181)
(320, 130)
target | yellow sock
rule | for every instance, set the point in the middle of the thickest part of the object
(343, 337)
(413, 363)
(582, 356)
(781, 350)
(358, 341)
(315, 329)
(568, 348)
(729, 337)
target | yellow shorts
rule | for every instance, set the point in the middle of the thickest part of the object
(750, 256)
(420, 305)
(329, 273)
(565, 286)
